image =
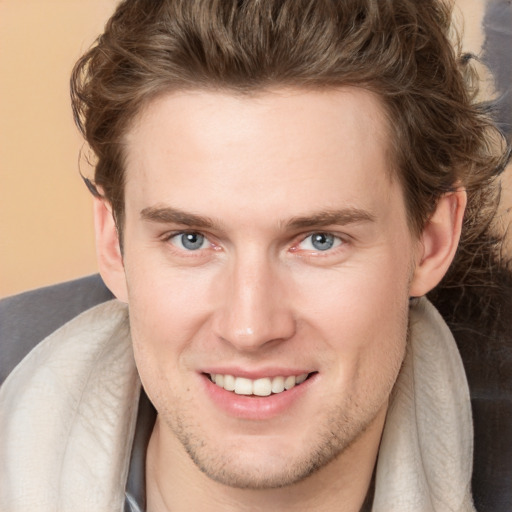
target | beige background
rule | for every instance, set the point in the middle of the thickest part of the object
(46, 232)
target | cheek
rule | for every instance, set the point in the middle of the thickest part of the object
(362, 314)
(362, 297)
(168, 307)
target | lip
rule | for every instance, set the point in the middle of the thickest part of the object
(261, 373)
(255, 407)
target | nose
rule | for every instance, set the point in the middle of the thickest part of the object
(253, 307)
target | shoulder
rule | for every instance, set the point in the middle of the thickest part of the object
(67, 414)
(29, 317)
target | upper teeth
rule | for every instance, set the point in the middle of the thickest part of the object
(258, 387)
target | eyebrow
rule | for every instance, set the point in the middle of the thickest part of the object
(340, 217)
(344, 216)
(169, 215)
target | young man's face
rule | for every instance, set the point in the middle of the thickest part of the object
(266, 241)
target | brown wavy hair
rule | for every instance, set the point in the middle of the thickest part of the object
(400, 49)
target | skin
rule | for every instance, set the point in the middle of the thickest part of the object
(261, 174)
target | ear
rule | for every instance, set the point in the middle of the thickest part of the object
(438, 242)
(108, 250)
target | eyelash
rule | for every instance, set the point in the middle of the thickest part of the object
(338, 242)
(206, 239)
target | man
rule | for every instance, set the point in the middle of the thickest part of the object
(277, 184)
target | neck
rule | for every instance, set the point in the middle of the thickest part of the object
(175, 483)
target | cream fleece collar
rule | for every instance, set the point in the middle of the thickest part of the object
(68, 411)
(67, 416)
(426, 455)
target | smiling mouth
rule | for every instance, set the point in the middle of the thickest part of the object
(258, 387)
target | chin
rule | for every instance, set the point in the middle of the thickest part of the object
(272, 473)
(260, 462)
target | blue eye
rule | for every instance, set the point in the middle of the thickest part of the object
(320, 242)
(189, 241)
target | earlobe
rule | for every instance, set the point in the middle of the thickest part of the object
(438, 242)
(108, 251)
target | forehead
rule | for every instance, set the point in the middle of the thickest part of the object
(200, 149)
